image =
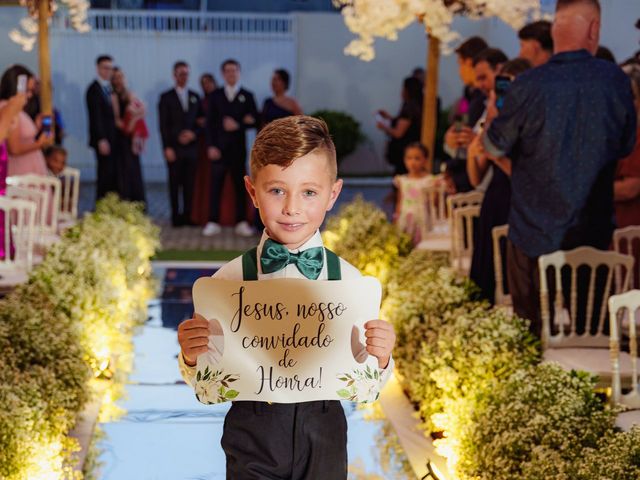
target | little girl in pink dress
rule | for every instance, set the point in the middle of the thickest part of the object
(411, 205)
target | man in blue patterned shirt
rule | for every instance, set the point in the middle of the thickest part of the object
(564, 125)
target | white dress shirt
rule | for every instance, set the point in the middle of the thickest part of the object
(231, 92)
(233, 271)
(183, 95)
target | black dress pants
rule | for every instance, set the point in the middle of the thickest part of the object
(182, 174)
(235, 164)
(298, 441)
(107, 174)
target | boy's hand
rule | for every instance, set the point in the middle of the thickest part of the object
(193, 337)
(380, 340)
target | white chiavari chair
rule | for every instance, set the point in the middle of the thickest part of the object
(575, 337)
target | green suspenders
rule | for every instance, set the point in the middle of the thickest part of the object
(250, 265)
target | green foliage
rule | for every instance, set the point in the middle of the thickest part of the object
(361, 234)
(76, 313)
(344, 129)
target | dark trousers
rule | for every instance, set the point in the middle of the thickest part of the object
(298, 441)
(182, 174)
(106, 174)
(236, 166)
(523, 278)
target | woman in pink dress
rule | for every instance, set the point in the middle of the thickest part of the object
(24, 145)
(8, 113)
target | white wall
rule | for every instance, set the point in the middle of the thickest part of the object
(323, 76)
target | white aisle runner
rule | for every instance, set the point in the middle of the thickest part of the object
(167, 435)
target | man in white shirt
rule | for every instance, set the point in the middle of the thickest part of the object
(102, 127)
(180, 112)
(231, 112)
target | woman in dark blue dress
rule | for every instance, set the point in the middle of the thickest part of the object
(280, 105)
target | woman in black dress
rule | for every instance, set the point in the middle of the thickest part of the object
(132, 133)
(496, 202)
(405, 127)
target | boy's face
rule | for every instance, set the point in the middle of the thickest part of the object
(56, 162)
(293, 201)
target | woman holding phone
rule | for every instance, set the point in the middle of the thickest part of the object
(8, 114)
(24, 144)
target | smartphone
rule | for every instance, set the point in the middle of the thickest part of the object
(46, 125)
(458, 123)
(502, 86)
(22, 84)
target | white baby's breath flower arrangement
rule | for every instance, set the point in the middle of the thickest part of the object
(71, 322)
(535, 425)
(26, 34)
(361, 234)
(617, 457)
(385, 18)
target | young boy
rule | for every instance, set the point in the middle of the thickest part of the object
(56, 159)
(293, 184)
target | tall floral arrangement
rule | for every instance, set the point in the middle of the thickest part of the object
(26, 34)
(385, 18)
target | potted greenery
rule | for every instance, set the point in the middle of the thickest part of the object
(344, 129)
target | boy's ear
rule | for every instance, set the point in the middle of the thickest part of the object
(335, 192)
(251, 190)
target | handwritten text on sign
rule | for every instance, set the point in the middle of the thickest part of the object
(286, 340)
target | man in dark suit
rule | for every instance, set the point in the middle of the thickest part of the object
(102, 127)
(180, 110)
(231, 111)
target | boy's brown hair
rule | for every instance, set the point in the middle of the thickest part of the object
(284, 140)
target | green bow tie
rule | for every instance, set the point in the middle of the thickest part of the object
(276, 256)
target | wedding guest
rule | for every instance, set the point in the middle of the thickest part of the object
(33, 109)
(208, 85)
(466, 114)
(411, 215)
(232, 111)
(24, 144)
(179, 112)
(9, 111)
(573, 114)
(418, 73)
(102, 127)
(486, 66)
(626, 188)
(471, 105)
(56, 159)
(280, 105)
(132, 133)
(497, 197)
(405, 127)
(605, 54)
(536, 43)
(202, 184)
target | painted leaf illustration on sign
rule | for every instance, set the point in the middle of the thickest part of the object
(214, 386)
(361, 385)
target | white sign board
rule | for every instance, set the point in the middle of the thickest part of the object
(286, 340)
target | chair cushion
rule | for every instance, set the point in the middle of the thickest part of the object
(593, 360)
(626, 420)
